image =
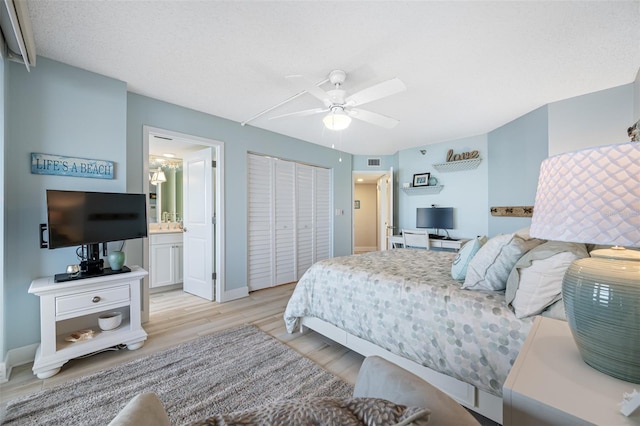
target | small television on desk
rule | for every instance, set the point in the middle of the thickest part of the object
(435, 218)
(87, 219)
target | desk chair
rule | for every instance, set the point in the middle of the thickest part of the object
(415, 239)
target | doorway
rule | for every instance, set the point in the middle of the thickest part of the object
(158, 143)
(373, 210)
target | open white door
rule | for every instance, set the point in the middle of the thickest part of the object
(385, 190)
(197, 184)
(390, 227)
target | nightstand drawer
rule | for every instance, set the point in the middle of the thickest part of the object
(92, 301)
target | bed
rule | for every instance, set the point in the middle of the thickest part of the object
(404, 305)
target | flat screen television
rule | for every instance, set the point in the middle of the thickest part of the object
(435, 218)
(86, 219)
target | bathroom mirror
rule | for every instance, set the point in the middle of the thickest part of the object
(165, 190)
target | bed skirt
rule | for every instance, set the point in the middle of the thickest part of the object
(467, 395)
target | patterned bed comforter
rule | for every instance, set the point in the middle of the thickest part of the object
(406, 302)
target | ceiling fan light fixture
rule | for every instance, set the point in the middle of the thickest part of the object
(336, 120)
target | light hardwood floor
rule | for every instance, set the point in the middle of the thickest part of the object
(176, 317)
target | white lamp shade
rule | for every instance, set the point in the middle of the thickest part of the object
(158, 177)
(593, 196)
(336, 120)
(590, 196)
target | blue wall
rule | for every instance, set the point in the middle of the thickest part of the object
(599, 118)
(512, 153)
(3, 85)
(59, 109)
(636, 99)
(54, 109)
(238, 142)
(515, 153)
(465, 191)
(386, 162)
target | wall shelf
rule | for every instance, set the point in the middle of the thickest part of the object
(457, 166)
(423, 190)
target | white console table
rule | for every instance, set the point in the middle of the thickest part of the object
(397, 241)
(550, 384)
(71, 306)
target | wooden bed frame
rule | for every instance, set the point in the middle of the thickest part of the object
(468, 395)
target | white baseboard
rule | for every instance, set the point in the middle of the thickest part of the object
(361, 249)
(236, 293)
(16, 357)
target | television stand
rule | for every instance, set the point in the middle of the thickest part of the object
(60, 278)
(76, 305)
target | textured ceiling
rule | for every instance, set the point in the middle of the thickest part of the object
(469, 67)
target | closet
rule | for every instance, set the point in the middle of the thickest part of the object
(289, 219)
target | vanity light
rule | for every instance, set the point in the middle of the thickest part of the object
(158, 177)
(168, 155)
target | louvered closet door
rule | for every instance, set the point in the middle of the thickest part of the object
(322, 214)
(304, 225)
(260, 219)
(285, 208)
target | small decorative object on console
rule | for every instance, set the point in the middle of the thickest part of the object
(79, 336)
(630, 403)
(116, 260)
(110, 321)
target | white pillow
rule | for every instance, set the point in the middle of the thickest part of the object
(555, 311)
(535, 282)
(466, 253)
(491, 266)
(541, 284)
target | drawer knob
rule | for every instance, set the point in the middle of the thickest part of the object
(95, 299)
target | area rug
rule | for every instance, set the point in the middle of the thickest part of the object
(223, 372)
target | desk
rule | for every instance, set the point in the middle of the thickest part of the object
(397, 241)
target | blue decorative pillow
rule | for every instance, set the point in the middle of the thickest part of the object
(466, 253)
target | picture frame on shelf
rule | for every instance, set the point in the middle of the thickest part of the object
(421, 179)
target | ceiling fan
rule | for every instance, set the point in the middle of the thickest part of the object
(340, 107)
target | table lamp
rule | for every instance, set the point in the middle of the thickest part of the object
(592, 196)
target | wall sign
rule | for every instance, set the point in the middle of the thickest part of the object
(46, 164)
(462, 156)
(513, 211)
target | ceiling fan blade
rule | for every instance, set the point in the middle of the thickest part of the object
(301, 113)
(377, 91)
(303, 84)
(373, 118)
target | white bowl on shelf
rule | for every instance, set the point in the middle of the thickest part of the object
(110, 321)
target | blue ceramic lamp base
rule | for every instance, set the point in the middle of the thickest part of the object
(602, 303)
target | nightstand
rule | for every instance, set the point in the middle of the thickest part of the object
(550, 384)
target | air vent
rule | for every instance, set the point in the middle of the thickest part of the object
(373, 162)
